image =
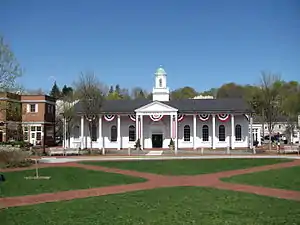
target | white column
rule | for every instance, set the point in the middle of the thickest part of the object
(137, 135)
(232, 131)
(119, 132)
(82, 132)
(142, 131)
(251, 133)
(171, 126)
(213, 138)
(64, 133)
(100, 132)
(176, 134)
(194, 131)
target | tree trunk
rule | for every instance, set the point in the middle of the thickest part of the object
(270, 136)
(263, 123)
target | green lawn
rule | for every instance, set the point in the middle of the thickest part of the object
(180, 205)
(62, 179)
(187, 167)
(286, 178)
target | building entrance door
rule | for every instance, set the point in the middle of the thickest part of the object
(157, 140)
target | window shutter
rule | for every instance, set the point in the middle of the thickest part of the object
(28, 107)
(36, 107)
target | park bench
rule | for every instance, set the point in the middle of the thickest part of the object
(290, 149)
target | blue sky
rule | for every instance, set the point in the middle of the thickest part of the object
(201, 43)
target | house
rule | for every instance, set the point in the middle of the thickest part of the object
(190, 123)
(27, 117)
(261, 130)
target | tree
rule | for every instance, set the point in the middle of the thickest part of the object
(89, 92)
(55, 92)
(111, 90)
(290, 107)
(66, 91)
(9, 67)
(184, 93)
(231, 90)
(270, 100)
(65, 109)
(138, 93)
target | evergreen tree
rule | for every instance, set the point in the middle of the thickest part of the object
(117, 89)
(66, 91)
(111, 90)
(55, 92)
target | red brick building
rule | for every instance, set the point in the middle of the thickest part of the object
(27, 117)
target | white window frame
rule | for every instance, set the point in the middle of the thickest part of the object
(35, 108)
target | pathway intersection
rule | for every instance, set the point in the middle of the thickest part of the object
(154, 181)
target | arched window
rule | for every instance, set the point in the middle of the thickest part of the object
(238, 132)
(94, 132)
(160, 82)
(221, 133)
(113, 133)
(131, 133)
(186, 133)
(205, 133)
(76, 131)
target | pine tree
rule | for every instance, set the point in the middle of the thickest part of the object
(55, 92)
(111, 90)
(66, 91)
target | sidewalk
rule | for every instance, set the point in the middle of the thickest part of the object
(67, 159)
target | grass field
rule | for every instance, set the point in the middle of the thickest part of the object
(286, 178)
(62, 179)
(182, 205)
(187, 167)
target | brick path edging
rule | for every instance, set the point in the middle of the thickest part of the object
(156, 181)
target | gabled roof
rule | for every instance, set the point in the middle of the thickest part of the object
(183, 106)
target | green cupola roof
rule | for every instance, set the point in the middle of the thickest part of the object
(160, 70)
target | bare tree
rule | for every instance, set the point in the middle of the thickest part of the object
(270, 101)
(9, 67)
(65, 115)
(89, 92)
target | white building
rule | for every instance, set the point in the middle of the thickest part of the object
(191, 123)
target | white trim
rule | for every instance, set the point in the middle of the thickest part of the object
(42, 122)
(38, 101)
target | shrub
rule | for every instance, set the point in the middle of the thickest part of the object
(14, 158)
(172, 144)
(137, 145)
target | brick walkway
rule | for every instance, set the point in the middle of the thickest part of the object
(155, 181)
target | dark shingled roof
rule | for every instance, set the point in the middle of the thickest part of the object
(183, 106)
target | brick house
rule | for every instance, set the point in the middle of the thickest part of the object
(28, 118)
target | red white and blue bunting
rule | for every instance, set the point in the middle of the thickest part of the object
(180, 117)
(132, 117)
(156, 117)
(223, 117)
(204, 117)
(109, 118)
